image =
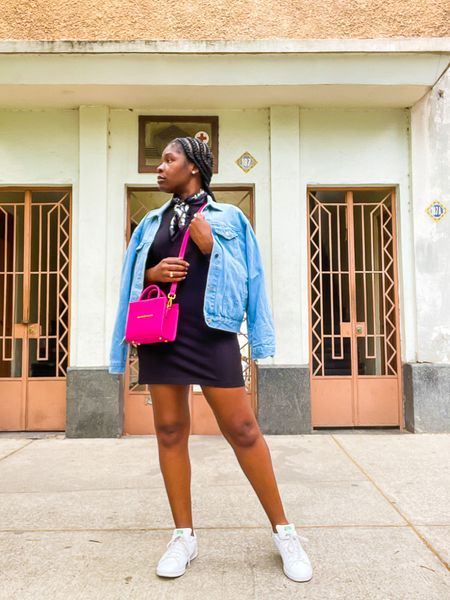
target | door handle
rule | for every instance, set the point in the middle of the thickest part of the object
(360, 329)
(34, 330)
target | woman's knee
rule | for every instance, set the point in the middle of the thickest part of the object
(172, 434)
(243, 432)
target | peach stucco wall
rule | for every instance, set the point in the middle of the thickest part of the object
(221, 19)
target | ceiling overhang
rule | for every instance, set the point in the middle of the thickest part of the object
(217, 80)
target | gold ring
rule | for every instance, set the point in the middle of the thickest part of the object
(171, 274)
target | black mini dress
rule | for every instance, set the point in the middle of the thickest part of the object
(200, 354)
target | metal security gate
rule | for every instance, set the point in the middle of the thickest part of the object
(34, 307)
(138, 414)
(355, 358)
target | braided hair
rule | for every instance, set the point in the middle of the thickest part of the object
(200, 154)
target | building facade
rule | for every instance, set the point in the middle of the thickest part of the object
(333, 136)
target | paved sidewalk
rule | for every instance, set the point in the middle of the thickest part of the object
(88, 519)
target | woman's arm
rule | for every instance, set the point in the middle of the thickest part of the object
(261, 331)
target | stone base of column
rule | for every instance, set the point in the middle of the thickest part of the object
(284, 399)
(94, 403)
(426, 397)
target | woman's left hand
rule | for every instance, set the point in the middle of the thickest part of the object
(200, 232)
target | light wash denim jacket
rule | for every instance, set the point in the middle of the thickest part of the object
(235, 284)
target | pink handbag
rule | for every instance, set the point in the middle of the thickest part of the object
(154, 317)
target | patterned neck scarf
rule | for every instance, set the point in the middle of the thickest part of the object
(180, 219)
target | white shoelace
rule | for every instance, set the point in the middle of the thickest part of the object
(178, 548)
(293, 546)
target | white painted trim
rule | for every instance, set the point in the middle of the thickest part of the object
(277, 46)
(286, 249)
(89, 294)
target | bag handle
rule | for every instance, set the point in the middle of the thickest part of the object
(149, 290)
(173, 288)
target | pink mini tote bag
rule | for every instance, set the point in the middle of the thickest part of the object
(153, 318)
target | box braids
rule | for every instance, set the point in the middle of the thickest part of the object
(200, 154)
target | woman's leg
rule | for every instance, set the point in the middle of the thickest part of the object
(172, 426)
(238, 424)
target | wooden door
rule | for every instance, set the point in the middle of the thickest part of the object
(34, 308)
(354, 332)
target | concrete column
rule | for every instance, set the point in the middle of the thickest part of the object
(430, 148)
(285, 384)
(91, 252)
(94, 407)
(427, 386)
(286, 244)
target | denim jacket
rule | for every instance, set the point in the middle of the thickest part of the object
(235, 283)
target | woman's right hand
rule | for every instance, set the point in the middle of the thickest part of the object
(161, 272)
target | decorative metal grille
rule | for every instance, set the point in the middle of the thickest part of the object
(375, 283)
(12, 212)
(329, 284)
(34, 282)
(50, 264)
(353, 289)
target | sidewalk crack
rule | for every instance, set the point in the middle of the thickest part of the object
(413, 528)
(16, 450)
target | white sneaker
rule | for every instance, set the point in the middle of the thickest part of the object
(296, 564)
(181, 549)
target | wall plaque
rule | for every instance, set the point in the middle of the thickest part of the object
(155, 132)
(246, 162)
(437, 210)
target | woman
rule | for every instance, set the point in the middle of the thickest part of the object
(220, 278)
